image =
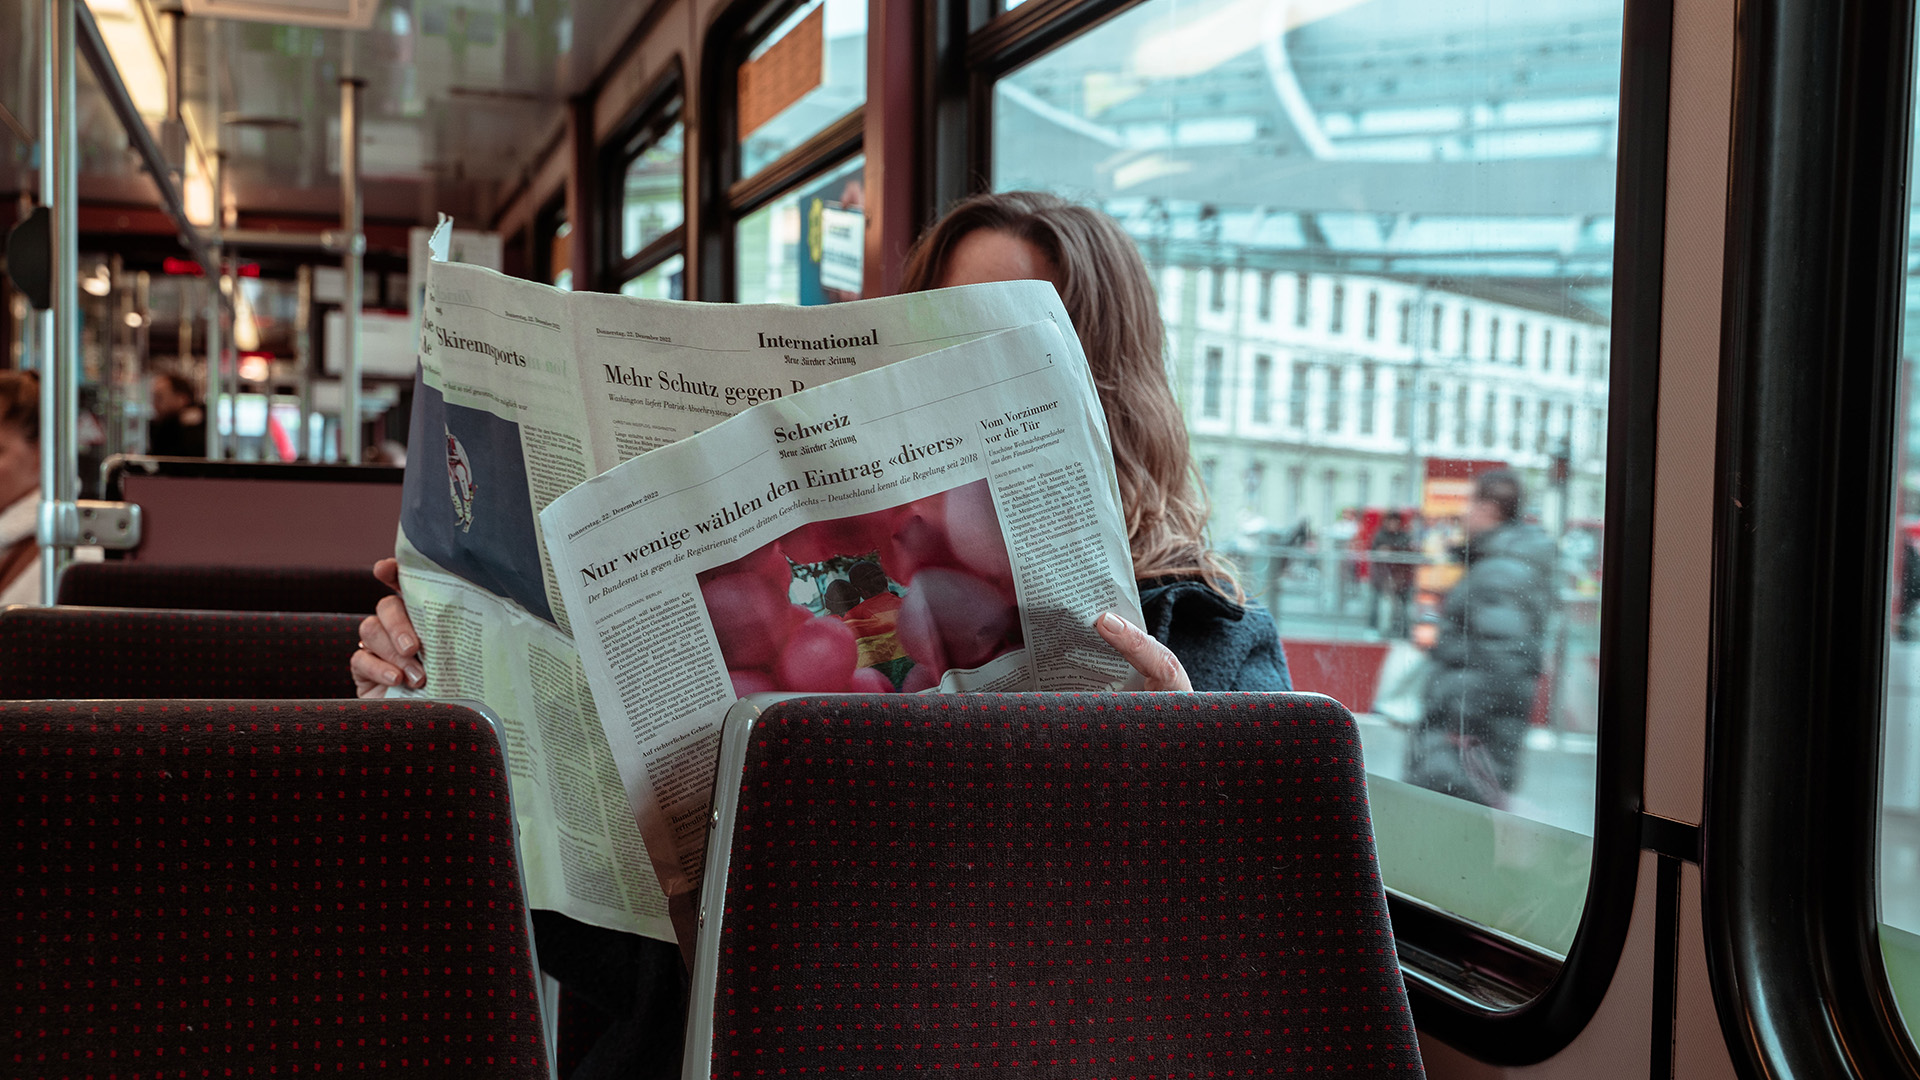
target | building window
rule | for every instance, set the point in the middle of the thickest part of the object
(1433, 412)
(1466, 331)
(1566, 426)
(1373, 315)
(1297, 396)
(1217, 295)
(1336, 397)
(1544, 421)
(1460, 417)
(1329, 485)
(1209, 467)
(1493, 339)
(1433, 341)
(1406, 322)
(1266, 296)
(1600, 434)
(1397, 490)
(1546, 348)
(1255, 477)
(1402, 406)
(1520, 344)
(1296, 491)
(1517, 436)
(1600, 359)
(1489, 418)
(1363, 487)
(1337, 320)
(1302, 298)
(1369, 399)
(1210, 389)
(1573, 354)
(1263, 389)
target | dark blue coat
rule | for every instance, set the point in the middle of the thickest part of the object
(1223, 645)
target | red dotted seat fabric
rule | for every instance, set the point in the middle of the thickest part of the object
(261, 889)
(219, 588)
(1113, 886)
(123, 653)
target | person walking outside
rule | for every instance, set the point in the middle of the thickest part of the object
(1489, 652)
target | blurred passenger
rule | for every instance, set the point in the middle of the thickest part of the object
(1489, 652)
(1392, 578)
(19, 487)
(179, 425)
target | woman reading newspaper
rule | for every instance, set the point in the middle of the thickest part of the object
(1200, 633)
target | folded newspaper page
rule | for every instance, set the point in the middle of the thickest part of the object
(525, 391)
(951, 521)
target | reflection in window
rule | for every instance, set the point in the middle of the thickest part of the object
(808, 246)
(1220, 134)
(809, 70)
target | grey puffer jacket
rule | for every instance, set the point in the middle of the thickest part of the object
(1494, 626)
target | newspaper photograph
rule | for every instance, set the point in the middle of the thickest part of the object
(525, 391)
(951, 522)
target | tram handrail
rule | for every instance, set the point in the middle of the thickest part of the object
(91, 45)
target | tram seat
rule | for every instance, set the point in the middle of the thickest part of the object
(231, 513)
(264, 887)
(1045, 884)
(220, 588)
(126, 653)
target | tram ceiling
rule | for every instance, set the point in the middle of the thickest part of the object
(452, 90)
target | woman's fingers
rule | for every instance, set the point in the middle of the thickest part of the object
(372, 675)
(1150, 658)
(388, 636)
(388, 573)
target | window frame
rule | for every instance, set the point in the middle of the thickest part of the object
(1445, 958)
(723, 197)
(1811, 316)
(658, 110)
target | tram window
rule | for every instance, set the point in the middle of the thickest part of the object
(667, 281)
(1483, 188)
(807, 246)
(1900, 779)
(807, 71)
(652, 190)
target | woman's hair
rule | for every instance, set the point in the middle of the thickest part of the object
(20, 403)
(1105, 288)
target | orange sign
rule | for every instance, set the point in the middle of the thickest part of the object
(783, 73)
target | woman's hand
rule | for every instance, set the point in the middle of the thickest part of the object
(1150, 658)
(389, 649)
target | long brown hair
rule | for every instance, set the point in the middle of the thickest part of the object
(1105, 288)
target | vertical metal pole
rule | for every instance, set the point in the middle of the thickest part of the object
(58, 391)
(350, 264)
(216, 278)
(303, 359)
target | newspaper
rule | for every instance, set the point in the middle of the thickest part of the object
(525, 391)
(951, 521)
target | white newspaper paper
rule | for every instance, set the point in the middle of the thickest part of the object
(949, 521)
(525, 391)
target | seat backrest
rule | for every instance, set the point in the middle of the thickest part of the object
(232, 513)
(122, 653)
(220, 588)
(1046, 885)
(263, 888)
